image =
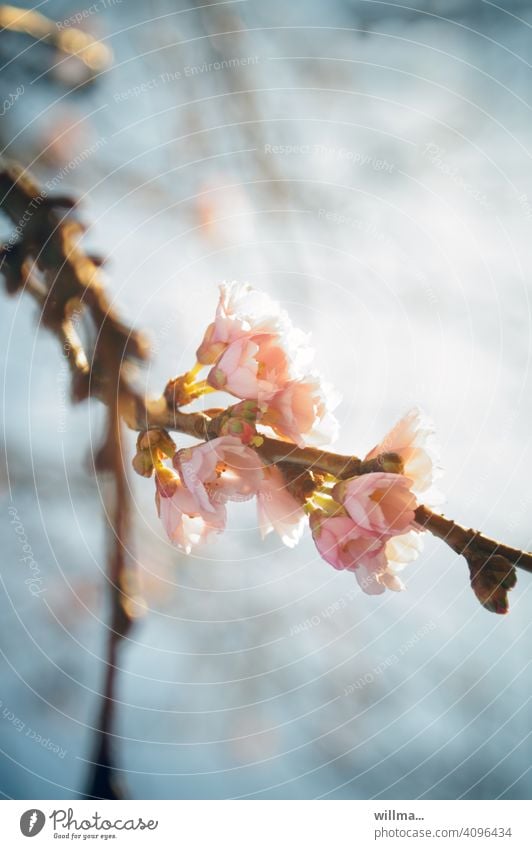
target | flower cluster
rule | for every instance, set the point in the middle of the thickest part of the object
(255, 353)
(191, 496)
(365, 524)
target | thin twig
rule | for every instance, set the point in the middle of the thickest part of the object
(93, 55)
(466, 539)
(141, 414)
(45, 260)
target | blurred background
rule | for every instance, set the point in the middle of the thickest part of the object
(368, 164)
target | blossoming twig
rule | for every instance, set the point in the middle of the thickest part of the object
(365, 513)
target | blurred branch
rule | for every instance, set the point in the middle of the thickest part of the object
(93, 55)
(43, 257)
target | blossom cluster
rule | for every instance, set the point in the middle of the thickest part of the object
(255, 353)
(365, 524)
(192, 495)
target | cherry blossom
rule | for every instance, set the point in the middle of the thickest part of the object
(278, 510)
(379, 503)
(183, 518)
(220, 470)
(241, 311)
(412, 438)
(302, 412)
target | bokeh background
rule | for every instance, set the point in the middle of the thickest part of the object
(367, 163)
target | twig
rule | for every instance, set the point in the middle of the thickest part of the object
(103, 782)
(44, 259)
(94, 56)
(463, 540)
(141, 414)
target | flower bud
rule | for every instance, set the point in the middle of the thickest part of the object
(391, 463)
(491, 579)
(179, 392)
(248, 410)
(239, 428)
(152, 446)
(157, 438)
(388, 462)
(239, 420)
(142, 462)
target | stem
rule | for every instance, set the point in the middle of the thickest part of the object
(94, 56)
(50, 242)
(141, 416)
(191, 375)
(103, 782)
(46, 260)
(200, 388)
(204, 427)
(463, 539)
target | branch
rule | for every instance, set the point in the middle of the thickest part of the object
(464, 540)
(160, 413)
(94, 56)
(44, 258)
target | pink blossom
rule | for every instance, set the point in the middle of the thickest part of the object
(340, 543)
(413, 439)
(184, 521)
(241, 311)
(252, 367)
(403, 549)
(277, 508)
(302, 411)
(330, 534)
(220, 470)
(374, 561)
(380, 504)
(374, 577)
(400, 551)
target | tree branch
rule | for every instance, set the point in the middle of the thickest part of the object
(43, 257)
(464, 540)
(72, 274)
